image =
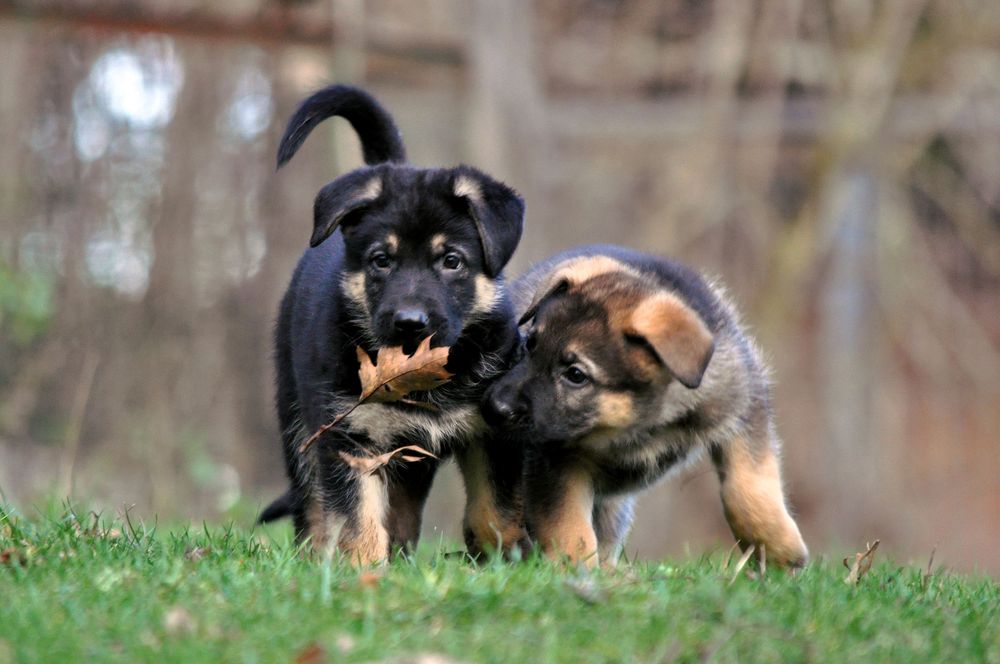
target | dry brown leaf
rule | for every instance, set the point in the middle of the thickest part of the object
(393, 377)
(197, 553)
(396, 374)
(311, 654)
(862, 563)
(369, 579)
(366, 465)
(12, 556)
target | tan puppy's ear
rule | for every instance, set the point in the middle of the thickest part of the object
(569, 274)
(676, 334)
(553, 286)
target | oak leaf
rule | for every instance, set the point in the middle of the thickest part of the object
(393, 377)
(395, 374)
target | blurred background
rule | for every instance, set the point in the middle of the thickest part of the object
(836, 163)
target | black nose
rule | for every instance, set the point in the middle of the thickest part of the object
(410, 321)
(501, 408)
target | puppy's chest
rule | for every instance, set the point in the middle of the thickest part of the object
(636, 461)
(438, 431)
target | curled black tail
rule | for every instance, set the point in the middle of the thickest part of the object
(380, 138)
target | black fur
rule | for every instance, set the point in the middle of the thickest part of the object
(380, 139)
(380, 225)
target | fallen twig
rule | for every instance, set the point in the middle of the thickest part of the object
(741, 563)
(862, 563)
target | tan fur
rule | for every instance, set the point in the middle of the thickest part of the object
(466, 187)
(718, 404)
(755, 504)
(366, 542)
(392, 242)
(676, 332)
(371, 190)
(491, 527)
(577, 271)
(487, 295)
(569, 531)
(585, 268)
(323, 528)
(354, 288)
(615, 409)
(438, 242)
(316, 524)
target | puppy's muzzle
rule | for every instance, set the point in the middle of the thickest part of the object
(504, 407)
(411, 323)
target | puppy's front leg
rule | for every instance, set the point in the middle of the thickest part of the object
(494, 513)
(350, 512)
(753, 500)
(559, 511)
(364, 539)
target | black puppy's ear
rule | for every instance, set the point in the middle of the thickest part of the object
(498, 212)
(334, 202)
(551, 288)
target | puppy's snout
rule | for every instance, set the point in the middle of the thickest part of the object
(411, 322)
(503, 407)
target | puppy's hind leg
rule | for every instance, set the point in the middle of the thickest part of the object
(753, 500)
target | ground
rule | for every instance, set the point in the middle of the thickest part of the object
(75, 587)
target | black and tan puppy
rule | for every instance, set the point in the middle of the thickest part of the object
(634, 365)
(399, 253)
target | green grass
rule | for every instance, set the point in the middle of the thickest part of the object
(78, 589)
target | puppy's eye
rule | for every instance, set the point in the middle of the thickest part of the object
(531, 341)
(575, 376)
(380, 260)
(452, 261)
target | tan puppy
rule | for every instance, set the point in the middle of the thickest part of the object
(634, 365)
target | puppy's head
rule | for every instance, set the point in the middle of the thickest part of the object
(601, 350)
(424, 248)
